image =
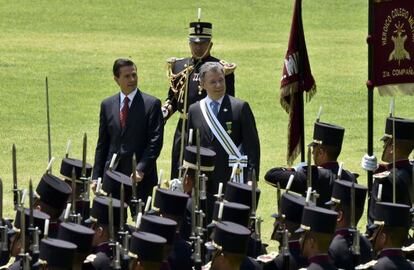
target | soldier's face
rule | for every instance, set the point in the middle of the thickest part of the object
(128, 79)
(215, 84)
(200, 49)
(387, 152)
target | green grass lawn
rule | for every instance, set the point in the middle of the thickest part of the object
(74, 43)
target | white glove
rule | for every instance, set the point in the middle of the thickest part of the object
(369, 163)
(176, 184)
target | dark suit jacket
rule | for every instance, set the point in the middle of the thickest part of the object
(234, 115)
(142, 135)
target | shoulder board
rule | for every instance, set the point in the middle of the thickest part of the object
(90, 258)
(410, 248)
(366, 265)
(265, 258)
(383, 174)
(172, 60)
(228, 67)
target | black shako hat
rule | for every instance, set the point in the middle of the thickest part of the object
(111, 184)
(231, 237)
(241, 193)
(56, 252)
(200, 31)
(207, 158)
(170, 202)
(404, 128)
(68, 164)
(78, 234)
(99, 211)
(318, 219)
(291, 207)
(38, 220)
(341, 194)
(147, 247)
(53, 191)
(327, 134)
(233, 212)
(161, 226)
(392, 215)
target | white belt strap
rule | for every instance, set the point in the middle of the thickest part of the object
(236, 160)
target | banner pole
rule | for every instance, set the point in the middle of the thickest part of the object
(370, 87)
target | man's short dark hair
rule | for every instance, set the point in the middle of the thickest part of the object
(332, 152)
(121, 62)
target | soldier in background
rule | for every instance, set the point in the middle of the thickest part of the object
(404, 145)
(99, 222)
(288, 218)
(51, 197)
(327, 145)
(317, 228)
(185, 91)
(340, 249)
(391, 223)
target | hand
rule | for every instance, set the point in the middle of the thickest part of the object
(93, 186)
(369, 163)
(138, 176)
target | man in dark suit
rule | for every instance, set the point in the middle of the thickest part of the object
(234, 119)
(200, 42)
(130, 123)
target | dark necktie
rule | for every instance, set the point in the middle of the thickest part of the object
(123, 115)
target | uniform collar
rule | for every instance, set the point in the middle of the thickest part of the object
(102, 247)
(330, 165)
(294, 244)
(391, 252)
(344, 232)
(403, 163)
(320, 259)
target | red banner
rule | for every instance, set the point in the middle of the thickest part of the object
(296, 79)
(393, 46)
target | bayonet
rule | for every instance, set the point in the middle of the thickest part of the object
(49, 142)
(341, 165)
(68, 146)
(111, 220)
(15, 189)
(33, 231)
(134, 202)
(31, 222)
(285, 249)
(74, 215)
(122, 210)
(353, 221)
(3, 225)
(84, 151)
(254, 187)
(278, 196)
(309, 175)
(318, 118)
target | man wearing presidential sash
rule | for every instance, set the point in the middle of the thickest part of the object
(228, 127)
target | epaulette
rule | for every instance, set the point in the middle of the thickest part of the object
(90, 258)
(410, 248)
(228, 67)
(383, 174)
(366, 265)
(172, 60)
(265, 258)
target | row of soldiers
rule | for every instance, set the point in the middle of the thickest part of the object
(62, 229)
(317, 225)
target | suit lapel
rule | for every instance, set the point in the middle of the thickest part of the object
(116, 111)
(136, 103)
(224, 115)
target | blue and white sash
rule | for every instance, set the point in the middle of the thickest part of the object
(236, 160)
